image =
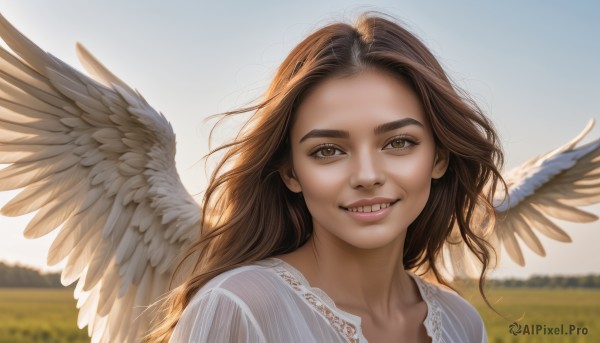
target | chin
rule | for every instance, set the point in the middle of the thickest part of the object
(373, 240)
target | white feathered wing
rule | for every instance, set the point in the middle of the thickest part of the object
(97, 161)
(552, 185)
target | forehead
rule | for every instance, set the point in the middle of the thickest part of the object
(359, 102)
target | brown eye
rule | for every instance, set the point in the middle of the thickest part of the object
(398, 143)
(402, 143)
(327, 151)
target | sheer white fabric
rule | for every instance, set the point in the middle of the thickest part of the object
(271, 301)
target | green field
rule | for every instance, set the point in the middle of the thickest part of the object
(41, 315)
(549, 307)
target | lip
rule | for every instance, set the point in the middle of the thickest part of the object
(372, 201)
(371, 216)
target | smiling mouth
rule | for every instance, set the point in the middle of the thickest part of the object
(370, 208)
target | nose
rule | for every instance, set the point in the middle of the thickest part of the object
(367, 172)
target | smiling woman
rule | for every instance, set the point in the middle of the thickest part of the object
(347, 181)
(355, 251)
(360, 185)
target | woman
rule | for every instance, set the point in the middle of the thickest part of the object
(350, 175)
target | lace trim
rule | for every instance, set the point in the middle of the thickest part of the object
(434, 317)
(433, 321)
(347, 330)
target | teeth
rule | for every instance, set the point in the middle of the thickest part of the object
(370, 208)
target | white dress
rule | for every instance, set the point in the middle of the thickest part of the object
(271, 301)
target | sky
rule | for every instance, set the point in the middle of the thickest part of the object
(531, 66)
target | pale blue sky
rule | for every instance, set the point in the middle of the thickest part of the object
(532, 66)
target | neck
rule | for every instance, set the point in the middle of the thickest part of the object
(370, 280)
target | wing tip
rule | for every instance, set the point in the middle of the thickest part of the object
(586, 130)
(80, 49)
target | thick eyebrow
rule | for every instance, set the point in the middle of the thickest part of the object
(383, 128)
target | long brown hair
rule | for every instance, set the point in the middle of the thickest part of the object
(248, 212)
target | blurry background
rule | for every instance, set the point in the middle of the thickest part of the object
(532, 67)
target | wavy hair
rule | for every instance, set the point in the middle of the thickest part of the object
(248, 212)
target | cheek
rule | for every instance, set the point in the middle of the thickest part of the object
(413, 174)
(319, 182)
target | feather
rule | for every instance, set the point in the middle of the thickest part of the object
(49, 98)
(97, 161)
(20, 175)
(75, 230)
(95, 68)
(30, 153)
(40, 193)
(549, 185)
(559, 210)
(53, 214)
(79, 257)
(106, 135)
(75, 123)
(33, 55)
(88, 309)
(108, 291)
(527, 235)
(128, 244)
(7, 137)
(23, 129)
(11, 65)
(544, 225)
(98, 264)
(20, 114)
(12, 93)
(512, 247)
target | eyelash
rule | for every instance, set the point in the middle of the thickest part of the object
(412, 142)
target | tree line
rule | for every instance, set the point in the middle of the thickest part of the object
(536, 281)
(555, 281)
(19, 276)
